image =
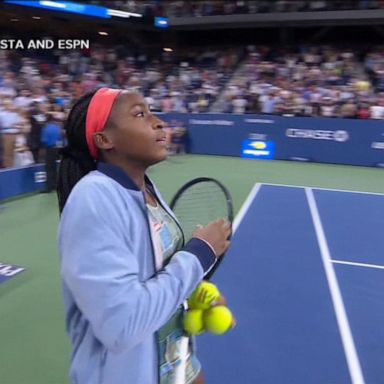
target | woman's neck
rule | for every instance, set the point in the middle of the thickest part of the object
(134, 171)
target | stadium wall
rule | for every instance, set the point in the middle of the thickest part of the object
(321, 140)
(20, 181)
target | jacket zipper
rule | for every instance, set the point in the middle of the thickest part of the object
(157, 339)
(170, 213)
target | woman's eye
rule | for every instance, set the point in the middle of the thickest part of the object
(140, 114)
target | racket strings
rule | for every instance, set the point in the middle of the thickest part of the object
(200, 204)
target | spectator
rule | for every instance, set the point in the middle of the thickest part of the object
(179, 138)
(52, 140)
(22, 153)
(239, 104)
(1, 145)
(10, 121)
(23, 100)
(363, 111)
(37, 121)
(349, 110)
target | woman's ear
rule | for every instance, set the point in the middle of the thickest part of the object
(103, 140)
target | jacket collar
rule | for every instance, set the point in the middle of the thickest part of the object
(117, 174)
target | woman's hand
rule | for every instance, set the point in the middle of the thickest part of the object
(216, 234)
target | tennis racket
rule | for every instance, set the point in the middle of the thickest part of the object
(199, 202)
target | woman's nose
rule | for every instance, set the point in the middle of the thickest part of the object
(158, 123)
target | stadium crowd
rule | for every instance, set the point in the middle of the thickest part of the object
(313, 81)
(33, 88)
(306, 81)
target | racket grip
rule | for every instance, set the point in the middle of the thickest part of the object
(181, 370)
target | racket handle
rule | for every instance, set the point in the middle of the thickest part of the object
(181, 369)
(213, 269)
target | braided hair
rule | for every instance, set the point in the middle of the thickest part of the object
(76, 160)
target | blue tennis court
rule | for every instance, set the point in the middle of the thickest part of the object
(305, 279)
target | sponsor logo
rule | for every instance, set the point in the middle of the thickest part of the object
(210, 122)
(377, 145)
(259, 144)
(317, 134)
(8, 271)
(258, 136)
(40, 177)
(297, 158)
(258, 149)
(259, 121)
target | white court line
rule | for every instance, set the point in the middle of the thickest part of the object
(324, 189)
(244, 208)
(341, 316)
(377, 266)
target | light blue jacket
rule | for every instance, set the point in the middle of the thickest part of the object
(114, 300)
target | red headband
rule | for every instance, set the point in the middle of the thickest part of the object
(97, 115)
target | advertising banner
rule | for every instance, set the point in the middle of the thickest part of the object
(322, 140)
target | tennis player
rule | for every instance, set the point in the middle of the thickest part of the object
(124, 268)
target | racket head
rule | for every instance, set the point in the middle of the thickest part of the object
(199, 202)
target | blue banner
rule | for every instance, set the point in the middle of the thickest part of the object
(256, 149)
(323, 140)
(19, 181)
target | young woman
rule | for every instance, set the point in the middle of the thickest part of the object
(124, 267)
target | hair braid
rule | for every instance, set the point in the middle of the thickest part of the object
(76, 160)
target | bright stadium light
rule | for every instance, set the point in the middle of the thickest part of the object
(54, 4)
(64, 6)
(117, 13)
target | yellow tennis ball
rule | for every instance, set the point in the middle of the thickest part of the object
(193, 321)
(204, 296)
(218, 320)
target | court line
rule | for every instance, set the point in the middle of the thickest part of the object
(244, 208)
(377, 266)
(341, 315)
(324, 189)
